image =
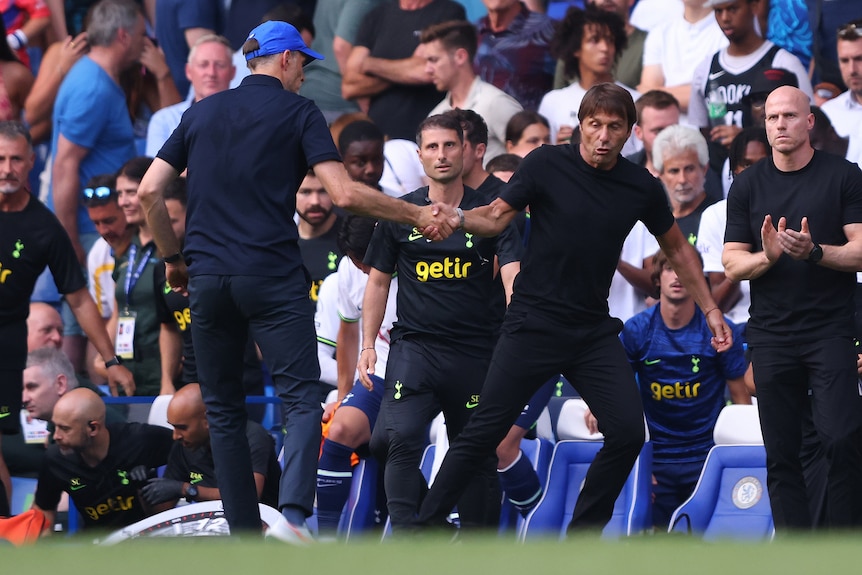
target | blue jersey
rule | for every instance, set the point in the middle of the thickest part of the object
(682, 380)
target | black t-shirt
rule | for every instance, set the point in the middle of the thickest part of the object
(392, 33)
(196, 466)
(30, 240)
(580, 217)
(446, 288)
(105, 495)
(173, 308)
(689, 224)
(248, 150)
(320, 256)
(795, 301)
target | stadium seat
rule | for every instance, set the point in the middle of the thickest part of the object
(738, 425)
(359, 513)
(23, 490)
(730, 500)
(567, 471)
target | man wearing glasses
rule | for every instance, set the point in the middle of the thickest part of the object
(31, 238)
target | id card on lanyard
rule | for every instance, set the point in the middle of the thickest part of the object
(125, 340)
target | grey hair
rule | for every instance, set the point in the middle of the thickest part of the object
(53, 362)
(12, 129)
(108, 17)
(218, 39)
(676, 139)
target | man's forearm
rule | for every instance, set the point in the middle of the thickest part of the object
(346, 350)
(65, 190)
(88, 317)
(405, 71)
(740, 264)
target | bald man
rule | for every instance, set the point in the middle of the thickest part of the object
(794, 228)
(44, 327)
(92, 462)
(191, 472)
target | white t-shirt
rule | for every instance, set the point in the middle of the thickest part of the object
(679, 46)
(326, 323)
(100, 267)
(351, 291)
(697, 110)
(624, 300)
(649, 14)
(710, 244)
(845, 113)
(561, 107)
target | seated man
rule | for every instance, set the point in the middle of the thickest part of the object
(191, 471)
(93, 462)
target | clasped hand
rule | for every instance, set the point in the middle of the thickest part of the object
(782, 239)
(438, 221)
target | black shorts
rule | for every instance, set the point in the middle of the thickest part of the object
(11, 383)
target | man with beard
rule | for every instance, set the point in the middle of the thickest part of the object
(318, 231)
(94, 462)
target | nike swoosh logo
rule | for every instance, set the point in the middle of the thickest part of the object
(651, 361)
(471, 405)
(76, 487)
(717, 75)
(414, 236)
(7, 414)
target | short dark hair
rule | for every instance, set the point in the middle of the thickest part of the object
(454, 35)
(354, 235)
(611, 99)
(521, 121)
(135, 168)
(503, 163)
(439, 121)
(570, 33)
(358, 131)
(658, 99)
(103, 180)
(177, 190)
(474, 126)
(293, 15)
(736, 152)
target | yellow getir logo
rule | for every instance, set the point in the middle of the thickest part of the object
(678, 390)
(451, 269)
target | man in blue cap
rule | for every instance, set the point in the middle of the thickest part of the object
(247, 150)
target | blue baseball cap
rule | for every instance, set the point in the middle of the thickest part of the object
(275, 36)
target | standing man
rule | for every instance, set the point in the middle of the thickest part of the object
(260, 138)
(450, 48)
(845, 110)
(31, 238)
(442, 340)
(801, 328)
(567, 329)
(92, 133)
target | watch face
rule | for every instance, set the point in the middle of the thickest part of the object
(191, 492)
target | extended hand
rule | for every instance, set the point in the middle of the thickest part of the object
(722, 338)
(160, 489)
(178, 277)
(365, 367)
(441, 221)
(120, 377)
(769, 238)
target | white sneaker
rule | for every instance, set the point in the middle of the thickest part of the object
(285, 531)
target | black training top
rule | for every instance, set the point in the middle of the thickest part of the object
(196, 466)
(795, 301)
(30, 240)
(580, 217)
(446, 288)
(248, 149)
(105, 495)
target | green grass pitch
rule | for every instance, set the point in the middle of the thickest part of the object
(664, 555)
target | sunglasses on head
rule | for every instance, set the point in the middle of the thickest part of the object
(99, 192)
(850, 32)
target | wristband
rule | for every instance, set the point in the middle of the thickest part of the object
(112, 362)
(364, 349)
(460, 213)
(16, 39)
(174, 258)
(709, 311)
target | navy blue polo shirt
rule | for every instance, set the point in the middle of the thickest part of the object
(247, 151)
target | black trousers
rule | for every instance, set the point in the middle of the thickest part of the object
(276, 313)
(784, 375)
(530, 350)
(423, 377)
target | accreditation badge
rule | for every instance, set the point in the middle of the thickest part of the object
(125, 341)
